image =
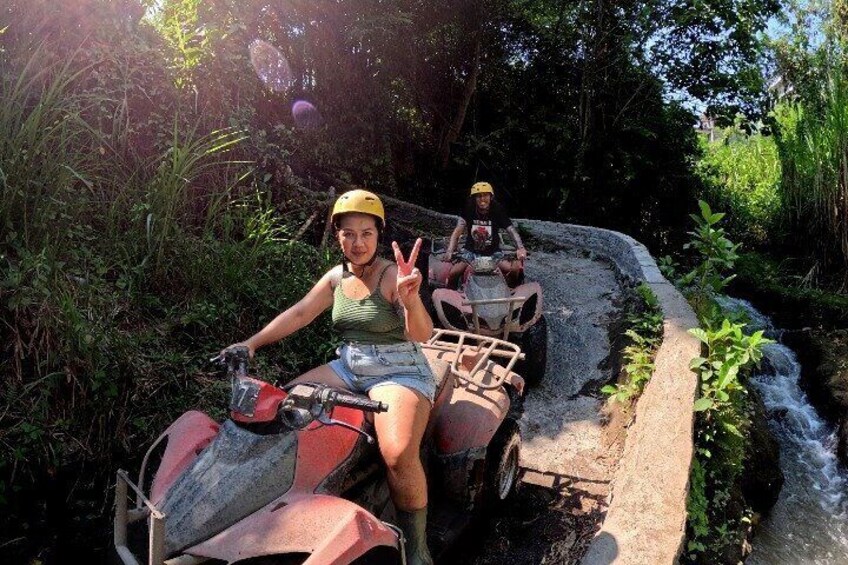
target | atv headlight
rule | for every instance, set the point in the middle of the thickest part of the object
(454, 316)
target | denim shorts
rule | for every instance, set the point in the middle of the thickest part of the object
(363, 367)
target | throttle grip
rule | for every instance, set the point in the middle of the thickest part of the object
(359, 402)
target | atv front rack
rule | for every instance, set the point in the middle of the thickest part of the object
(508, 322)
(143, 509)
(466, 348)
(124, 516)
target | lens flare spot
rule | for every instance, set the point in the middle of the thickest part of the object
(306, 115)
(273, 69)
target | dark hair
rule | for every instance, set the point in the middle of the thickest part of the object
(377, 221)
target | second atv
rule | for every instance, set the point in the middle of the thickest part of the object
(486, 305)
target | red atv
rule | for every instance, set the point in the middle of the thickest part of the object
(485, 304)
(294, 475)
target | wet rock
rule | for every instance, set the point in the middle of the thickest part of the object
(762, 478)
(823, 355)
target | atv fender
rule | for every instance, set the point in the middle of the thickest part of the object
(463, 432)
(527, 291)
(438, 271)
(447, 296)
(332, 530)
(187, 436)
(471, 418)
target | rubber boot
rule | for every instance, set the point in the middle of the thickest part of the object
(414, 527)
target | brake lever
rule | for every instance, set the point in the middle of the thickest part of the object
(326, 420)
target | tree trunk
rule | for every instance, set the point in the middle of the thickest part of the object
(452, 133)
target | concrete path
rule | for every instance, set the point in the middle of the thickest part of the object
(562, 427)
(564, 437)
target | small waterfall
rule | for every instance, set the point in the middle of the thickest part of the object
(809, 523)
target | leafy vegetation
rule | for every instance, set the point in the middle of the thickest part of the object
(715, 513)
(156, 198)
(741, 174)
(117, 283)
(644, 331)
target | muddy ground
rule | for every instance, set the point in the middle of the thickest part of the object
(572, 440)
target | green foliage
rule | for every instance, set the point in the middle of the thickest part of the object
(645, 333)
(697, 507)
(793, 285)
(811, 132)
(717, 254)
(118, 281)
(722, 420)
(729, 350)
(40, 127)
(741, 174)
(813, 145)
(713, 50)
(170, 202)
(715, 257)
(721, 438)
(178, 23)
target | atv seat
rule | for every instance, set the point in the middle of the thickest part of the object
(444, 382)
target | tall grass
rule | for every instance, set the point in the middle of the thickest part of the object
(813, 148)
(741, 173)
(175, 200)
(118, 279)
(40, 127)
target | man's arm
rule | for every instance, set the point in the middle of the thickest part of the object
(520, 251)
(454, 238)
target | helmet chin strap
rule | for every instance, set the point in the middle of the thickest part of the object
(363, 266)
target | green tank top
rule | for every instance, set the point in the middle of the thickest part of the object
(371, 320)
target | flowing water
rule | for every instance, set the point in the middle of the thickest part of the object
(809, 523)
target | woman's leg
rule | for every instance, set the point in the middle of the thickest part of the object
(399, 432)
(322, 375)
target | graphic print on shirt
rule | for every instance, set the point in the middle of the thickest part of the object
(481, 232)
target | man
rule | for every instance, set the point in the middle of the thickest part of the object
(481, 222)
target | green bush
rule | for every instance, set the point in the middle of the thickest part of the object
(716, 509)
(645, 325)
(741, 174)
(117, 284)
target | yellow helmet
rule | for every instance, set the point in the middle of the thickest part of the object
(481, 188)
(360, 201)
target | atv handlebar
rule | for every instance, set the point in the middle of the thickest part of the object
(497, 256)
(236, 358)
(310, 398)
(359, 402)
(318, 398)
(307, 402)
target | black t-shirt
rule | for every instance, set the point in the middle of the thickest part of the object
(482, 233)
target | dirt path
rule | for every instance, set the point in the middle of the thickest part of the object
(569, 452)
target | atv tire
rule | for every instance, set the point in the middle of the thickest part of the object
(502, 460)
(534, 345)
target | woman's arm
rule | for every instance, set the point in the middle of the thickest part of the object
(301, 314)
(419, 325)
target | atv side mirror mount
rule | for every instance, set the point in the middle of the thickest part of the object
(236, 358)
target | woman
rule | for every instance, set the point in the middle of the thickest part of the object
(380, 316)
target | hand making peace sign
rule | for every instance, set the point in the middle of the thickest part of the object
(408, 278)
